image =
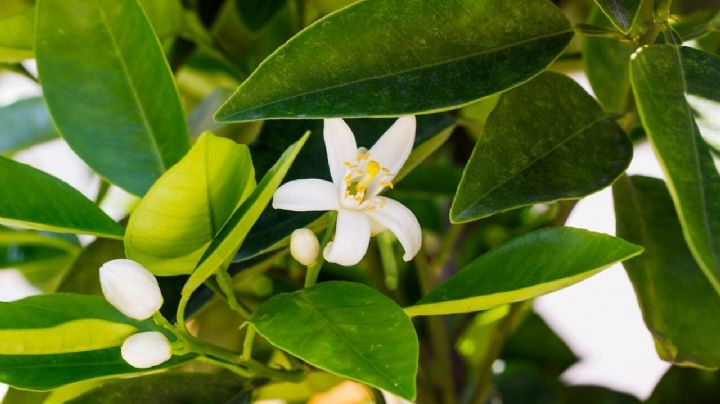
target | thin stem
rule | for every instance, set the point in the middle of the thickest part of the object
(163, 322)
(229, 366)
(248, 343)
(387, 257)
(226, 286)
(313, 270)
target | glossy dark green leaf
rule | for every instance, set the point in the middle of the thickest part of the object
(546, 140)
(622, 13)
(677, 92)
(606, 63)
(275, 225)
(597, 395)
(48, 341)
(256, 13)
(529, 266)
(683, 385)
(42, 201)
(679, 305)
(23, 124)
(16, 35)
(123, 115)
(453, 52)
(347, 329)
(168, 388)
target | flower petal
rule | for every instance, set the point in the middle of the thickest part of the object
(306, 195)
(401, 221)
(395, 145)
(352, 236)
(340, 146)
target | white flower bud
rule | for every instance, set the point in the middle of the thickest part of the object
(304, 246)
(146, 349)
(131, 288)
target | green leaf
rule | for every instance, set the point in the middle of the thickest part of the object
(84, 276)
(51, 340)
(606, 65)
(168, 388)
(345, 328)
(275, 225)
(679, 305)
(123, 118)
(182, 212)
(678, 96)
(166, 16)
(233, 233)
(23, 124)
(683, 385)
(622, 13)
(529, 266)
(42, 201)
(446, 59)
(256, 13)
(546, 140)
(16, 36)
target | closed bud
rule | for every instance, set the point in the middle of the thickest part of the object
(131, 288)
(146, 349)
(304, 246)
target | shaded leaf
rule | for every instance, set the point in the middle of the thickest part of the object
(345, 328)
(167, 388)
(42, 201)
(546, 140)
(679, 305)
(84, 276)
(23, 124)
(678, 97)
(256, 13)
(529, 266)
(445, 60)
(622, 13)
(124, 117)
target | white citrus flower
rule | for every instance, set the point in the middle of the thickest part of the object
(358, 177)
(304, 246)
(146, 349)
(131, 288)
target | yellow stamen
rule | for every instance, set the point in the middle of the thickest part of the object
(386, 184)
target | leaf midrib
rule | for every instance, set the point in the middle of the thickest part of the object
(390, 74)
(131, 84)
(535, 160)
(331, 325)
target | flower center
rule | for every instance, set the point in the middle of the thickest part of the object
(362, 174)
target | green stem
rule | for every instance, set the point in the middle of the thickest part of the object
(387, 257)
(226, 286)
(233, 368)
(313, 270)
(248, 343)
(163, 322)
(102, 191)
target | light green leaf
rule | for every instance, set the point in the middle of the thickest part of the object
(622, 13)
(41, 201)
(184, 387)
(51, 340)
(606, 65)
(453, 52)
(679, 305)
(123, 117)
(529, 266)
(345, 328)
(182, 212)
(23, 124)
(544, 141)
(16, 36)
(677, 92)
(166, 16)
(233, 233)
